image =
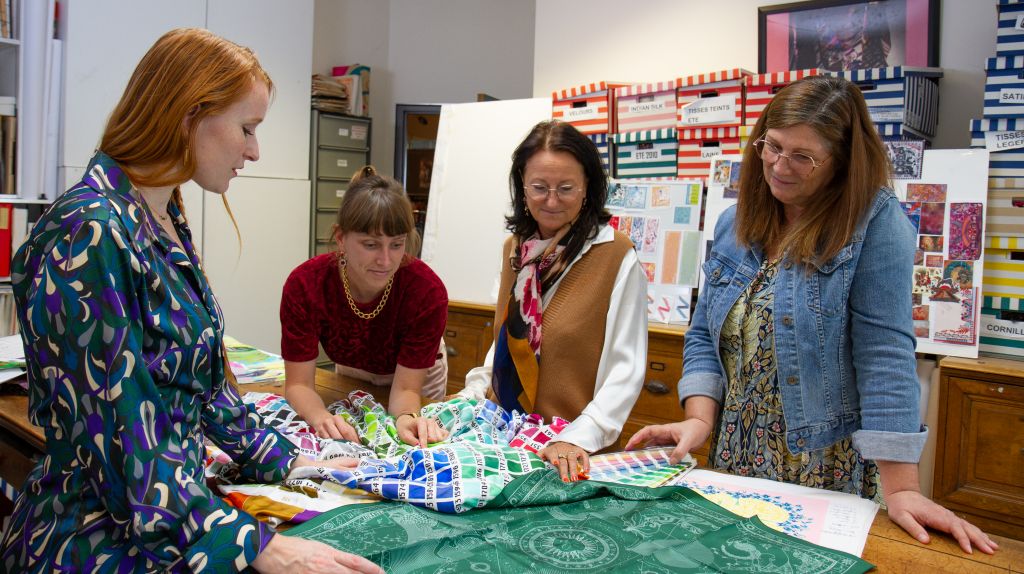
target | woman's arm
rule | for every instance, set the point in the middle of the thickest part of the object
(300, 392)
(620, 372)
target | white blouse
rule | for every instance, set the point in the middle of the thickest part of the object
(620, 373)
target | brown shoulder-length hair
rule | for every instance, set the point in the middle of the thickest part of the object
(377, 205)
(835, 109)
(187, 73)
(556, 136)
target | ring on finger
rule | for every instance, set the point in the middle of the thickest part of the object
(563, 457)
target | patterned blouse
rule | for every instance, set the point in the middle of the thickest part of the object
(751, 436)
(126, 377)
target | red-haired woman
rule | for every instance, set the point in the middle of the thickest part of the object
(124, 342)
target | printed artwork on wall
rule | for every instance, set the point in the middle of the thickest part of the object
(906, 157)
(662, 218)
(946, 206)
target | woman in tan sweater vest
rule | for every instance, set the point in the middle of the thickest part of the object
(569, 276)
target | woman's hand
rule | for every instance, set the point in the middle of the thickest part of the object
(291, 555)
(327, 425)
(340, 463)
(686, 435)
(913, 512)
(419, 431)
(572, 462)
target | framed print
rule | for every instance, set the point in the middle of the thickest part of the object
(848, 34)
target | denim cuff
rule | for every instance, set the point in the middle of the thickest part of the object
(706, 384)
(890, 446)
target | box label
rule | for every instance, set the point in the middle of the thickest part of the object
(342, 163)
(343, 132)
(715, 110)
(583, 113)
(1002, 141)
(1020, 23)
(645, 155)
(886, 115)
(646, 107)
(359, 132)
(1011, 96)
(710, 152)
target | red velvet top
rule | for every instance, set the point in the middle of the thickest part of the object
(407, 331)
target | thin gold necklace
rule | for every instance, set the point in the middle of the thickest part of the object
(352, 303)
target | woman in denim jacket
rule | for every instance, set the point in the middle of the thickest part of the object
(799, 362)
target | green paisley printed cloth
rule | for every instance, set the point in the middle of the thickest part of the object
(539, 524)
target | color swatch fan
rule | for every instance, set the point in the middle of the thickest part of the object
(649, 467)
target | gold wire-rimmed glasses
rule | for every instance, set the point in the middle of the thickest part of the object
(800, 163)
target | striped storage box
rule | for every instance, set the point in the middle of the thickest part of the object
(762, 88)
(1002, 326)
(1010, 30)
(745, 132)
(585, 107)
(713, 99)
(1004, 270)
(698, 145)
(601, 141)
(1004, 87)
(903, 95)
(644, 107)
(1005, 168)
(1004, 213)
(649, 153)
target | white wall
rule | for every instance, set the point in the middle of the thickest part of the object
(669, 38)
(427, 51)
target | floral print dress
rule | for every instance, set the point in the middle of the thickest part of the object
(123, 339)
(751, 437)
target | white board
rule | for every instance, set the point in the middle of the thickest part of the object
(469, 195)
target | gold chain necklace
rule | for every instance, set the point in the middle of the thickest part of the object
(352, 303)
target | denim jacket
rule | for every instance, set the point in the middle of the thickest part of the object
(844, 338)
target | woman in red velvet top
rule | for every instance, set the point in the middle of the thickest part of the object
(378, 312)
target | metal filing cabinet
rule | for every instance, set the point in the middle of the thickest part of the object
(340, 146)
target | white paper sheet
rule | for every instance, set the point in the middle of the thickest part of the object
(832, 519)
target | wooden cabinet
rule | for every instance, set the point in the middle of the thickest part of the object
(470, 332)
(468, 336)
(979, 467)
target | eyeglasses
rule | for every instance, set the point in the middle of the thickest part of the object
(541, 191)
(800, 163)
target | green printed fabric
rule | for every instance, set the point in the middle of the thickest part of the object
(539, 524)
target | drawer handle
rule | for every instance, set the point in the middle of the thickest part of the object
(452, 352)
(450, 334)
(656, 366)
(656, 388)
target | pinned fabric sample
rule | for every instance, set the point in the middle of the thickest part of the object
(965, 231)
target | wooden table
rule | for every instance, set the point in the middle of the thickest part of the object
(888, 546)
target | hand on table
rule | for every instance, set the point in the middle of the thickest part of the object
(327, 425)
(572, 462)
(419, 431)
(913, 512)
(685, 435)
(290, 554)
(339, 463)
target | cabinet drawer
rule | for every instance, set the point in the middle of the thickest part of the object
(337, 163)
(329, 194)
(323, 224)
(468, 337)
(659, 397)
(323, 247)
(343, 132)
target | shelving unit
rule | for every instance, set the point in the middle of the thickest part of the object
(340, 146)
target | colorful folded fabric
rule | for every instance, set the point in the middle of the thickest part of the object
(487, 448)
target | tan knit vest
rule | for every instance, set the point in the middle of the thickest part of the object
(573, 327)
